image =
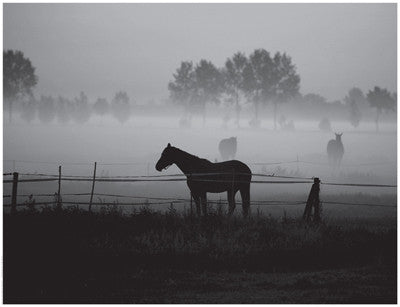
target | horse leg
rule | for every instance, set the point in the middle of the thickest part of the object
(203, 200)
(196, 198)
(245, 193)
(231, 201)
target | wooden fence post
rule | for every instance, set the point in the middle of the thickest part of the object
(14, 193)
(313, 202)
(94, 180)
(59, 188)
(317, 204)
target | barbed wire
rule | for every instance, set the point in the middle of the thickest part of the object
(252, 163)
(359, 184)
(187, 201)
(164, 175)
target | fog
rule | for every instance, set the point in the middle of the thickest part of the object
(86, 53)
(134, 147)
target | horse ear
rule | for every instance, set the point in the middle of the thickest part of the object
(169, 145)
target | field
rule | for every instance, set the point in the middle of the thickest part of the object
(70, 256)
(163, 254)
(135, 147)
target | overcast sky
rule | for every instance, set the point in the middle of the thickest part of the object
(103, 48)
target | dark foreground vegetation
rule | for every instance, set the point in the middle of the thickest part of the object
(71, 256)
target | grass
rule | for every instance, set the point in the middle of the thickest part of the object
(68, 255)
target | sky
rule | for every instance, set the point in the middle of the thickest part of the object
(104, 48)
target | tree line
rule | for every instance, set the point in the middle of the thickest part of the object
(19, 79)
(258, 80)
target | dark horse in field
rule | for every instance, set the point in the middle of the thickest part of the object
(205, 177)
(335, 150)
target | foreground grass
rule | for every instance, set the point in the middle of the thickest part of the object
(69, 255)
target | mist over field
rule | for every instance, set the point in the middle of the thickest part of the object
(133, 148)
(109, 111)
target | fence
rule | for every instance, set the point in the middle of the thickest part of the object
(312, 203)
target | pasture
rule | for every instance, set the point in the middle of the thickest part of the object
(162, 253)
(133, 149)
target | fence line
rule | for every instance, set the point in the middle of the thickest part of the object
(160, 176)
(187, 202)
(253, 163)
(311, 204)
(99, 179)
(177, 200)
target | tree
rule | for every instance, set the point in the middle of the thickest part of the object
(234, 80)
(258, 79)
(286, 81)
(353, 100)
(29, 109)
(18, 78)
(182, 88)
(381, 99)
(121, 107)
(314, 99)
(101, 106)
(208, 85)
(46, 109)
(270, 79)
(81, 109)
(64, 110)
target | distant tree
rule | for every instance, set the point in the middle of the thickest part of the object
(258, 76)
(64, 110)
(208, 86)
(120, 106)
(353, 100)
(181, 89)
(314, 99)
(269, 79)
(286, 81)
(81, 109)
(325, 125)
(101, 106)
(29, 109)
(381, 99)
(46, 109)
(18, 78)
(234, 80)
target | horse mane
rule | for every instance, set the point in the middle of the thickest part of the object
(201, 160)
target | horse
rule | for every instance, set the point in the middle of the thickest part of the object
(227, 148)
(205, 177)
(335, 150)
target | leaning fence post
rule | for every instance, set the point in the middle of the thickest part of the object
(14, 193)
(91, 194)
(317, 205)
(313, 201)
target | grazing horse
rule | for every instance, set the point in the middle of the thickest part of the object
(335, 150)
(227, 148)
(204, 176)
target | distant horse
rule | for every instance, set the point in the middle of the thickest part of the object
(227, 148)
(335, 150)
(204, 176)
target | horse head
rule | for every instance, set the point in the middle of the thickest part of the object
(339, 136)
(166, 159)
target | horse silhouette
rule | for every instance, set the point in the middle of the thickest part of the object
(205, 177)
(227, 148)
(335, 150)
